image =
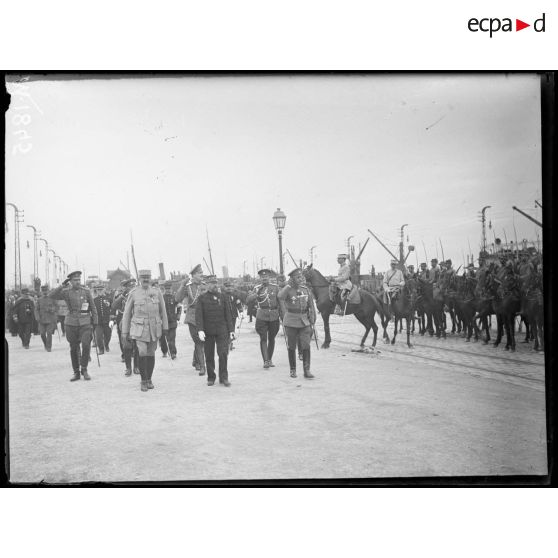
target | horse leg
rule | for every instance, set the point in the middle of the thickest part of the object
(394, 330)
(512, 333)
(528, 329)
(408, 332)
(327, 336)
(499, 330)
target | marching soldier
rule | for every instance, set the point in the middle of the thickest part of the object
(235, 305)
(82, 316)
(190, 291)
(117, 307)
(144, 321)
(46, 316)
(393, 282)
(168, 342)
(214, 324)
(103, 332)
(267, 316)
(23, 314)
(299, 316)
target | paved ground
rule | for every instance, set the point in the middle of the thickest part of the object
(440, 408)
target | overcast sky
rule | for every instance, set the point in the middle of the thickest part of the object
(166, 157)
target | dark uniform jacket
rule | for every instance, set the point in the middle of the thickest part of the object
(191, 292)
(235, 305)
(266, 302)
(213, 314)
(102, 305)
(170, 305)
(81, 308)
(24, 310)
(118, 305)
(46, 311)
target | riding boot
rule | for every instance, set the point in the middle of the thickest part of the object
(200, 356)
(292, 362)
(263, 350)
(149, 372)
(306, 363)
(141, 364)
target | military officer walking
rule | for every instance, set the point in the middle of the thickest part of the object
(267, 315)
(168, 342)
(81, 318)
(46, 314)
(235, 305)
(103, 332)
(214, 323)
(117, 308)
(23, 315)
(299, 316)
(144, 321)
(190, 291)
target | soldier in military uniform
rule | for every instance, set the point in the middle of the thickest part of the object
(215, 328)
(235, 305)
(46, 316)
(393, 282)
(103, 331)
(168, 342)
(299, 316)
(144, 321)
(267, 315)
(117, 308)
(343, 279)
(81, 318)
(190, 291)
(23, 314)
(434, 273)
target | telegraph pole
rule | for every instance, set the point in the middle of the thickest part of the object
(401, 246)
(36, 234)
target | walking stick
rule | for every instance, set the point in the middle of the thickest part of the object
(168, 347)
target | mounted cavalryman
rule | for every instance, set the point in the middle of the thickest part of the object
(393, 282)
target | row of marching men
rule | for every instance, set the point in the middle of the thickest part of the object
(145, 316)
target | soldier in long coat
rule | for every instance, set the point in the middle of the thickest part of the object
(168, 342)
(299, 316)
(79, 323)
(117, 308)
(144, 321)
(103, 331)
(23, 314)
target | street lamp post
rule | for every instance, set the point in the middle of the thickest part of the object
(46, 261)
(36, 234)
(60, 269)
(18, 218)
(312, 255)
(279, 219)
(53, 265)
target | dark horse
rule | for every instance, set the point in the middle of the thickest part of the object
(363, 312)
(403, 308)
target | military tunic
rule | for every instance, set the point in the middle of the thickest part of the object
(300, 315)
(191, 293)
(168, 343)
(46, 316)
(343, 278)
(145, 315)
(267, 319)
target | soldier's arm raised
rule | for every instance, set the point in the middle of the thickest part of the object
(57, 293)
(281, 296)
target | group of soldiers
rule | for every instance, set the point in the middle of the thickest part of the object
(147, 317)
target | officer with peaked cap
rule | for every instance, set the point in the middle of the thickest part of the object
(80, 321)
(168, 342)
(117, 307)
(267, 315)
(144, 321)
(103, 332)
(189, 291)
(299, 316)
(214, 323)
(46, 316)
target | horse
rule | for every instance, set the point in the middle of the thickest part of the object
(403, 307)
(532, 308)
(364, 312)
(430, 301)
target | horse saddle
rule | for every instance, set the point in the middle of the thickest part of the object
(354, 296)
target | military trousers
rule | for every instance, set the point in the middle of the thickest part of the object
(199, 355)
(61, 320)
(46, 331)
(267, 332)
(24, 330)
(79, 338)
(298, 336)
(103, 334)
(221, 341)
(168, 342)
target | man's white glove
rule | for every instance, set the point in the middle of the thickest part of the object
(201, 335)
(232, 335)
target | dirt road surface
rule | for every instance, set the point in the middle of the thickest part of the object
(444, 407)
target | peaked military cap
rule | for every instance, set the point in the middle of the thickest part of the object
(144, 273)
(423, 263)
(448, 262)
(167, 284)
(394, 262)
(74, 274)
(196, 269)
(262, 272)
(295, 270)
(433, 260)
(344, 256)
(25, 290)
(211, 279)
